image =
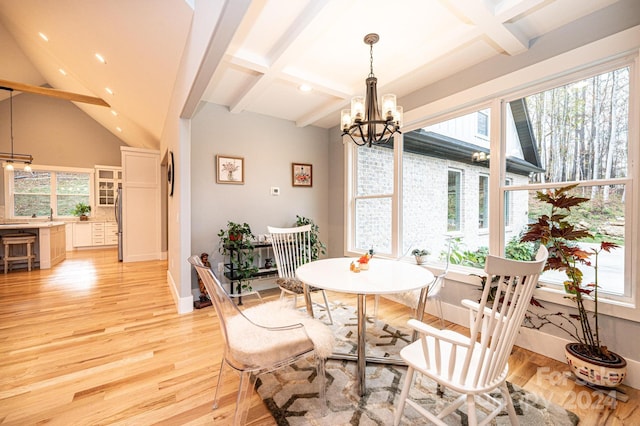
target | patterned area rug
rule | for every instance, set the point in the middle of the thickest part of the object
(291, 393)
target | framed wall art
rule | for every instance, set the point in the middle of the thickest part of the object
(301, 174)
(229, 169)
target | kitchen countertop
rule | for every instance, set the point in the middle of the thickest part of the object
(28, 225)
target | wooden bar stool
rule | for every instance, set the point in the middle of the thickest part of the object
(21, 239)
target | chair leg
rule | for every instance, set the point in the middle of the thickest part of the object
(322, 379)
(471, 411)
(513, 417)
(403, 396)
(216, 396)
(247, 382)
(439, 308)
(326, 304)
(376, 302)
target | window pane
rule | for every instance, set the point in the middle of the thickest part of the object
(453, 203)
(31, 193)
(574, 132)
(72, 183)
(373, 224)
(34, 192)
(31, 183)
(437, 198)
(604, 219)
(67, 203)
(374, 170)
(483, 202)
(507, 205)
(483, 124)
(30, 204)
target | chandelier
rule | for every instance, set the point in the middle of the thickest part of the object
(364, 123)
(10, 158)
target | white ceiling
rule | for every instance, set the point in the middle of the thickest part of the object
(278, 45)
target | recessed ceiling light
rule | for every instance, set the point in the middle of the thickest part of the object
(100, 58)
(109, 91)
(115, 114)
(305, 88)
(63, 72)
(43, 36)
(119, 129)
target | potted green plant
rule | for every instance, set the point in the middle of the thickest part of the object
(236, 241)
(82, 210)
(420, 255)
(588, 357)
(317, 246)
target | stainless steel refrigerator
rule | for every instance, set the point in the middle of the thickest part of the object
(118, 212)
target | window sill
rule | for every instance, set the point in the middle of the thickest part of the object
(552, 294)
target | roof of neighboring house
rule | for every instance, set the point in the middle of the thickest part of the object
(440, 146)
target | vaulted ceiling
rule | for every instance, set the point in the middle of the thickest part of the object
(279, 45)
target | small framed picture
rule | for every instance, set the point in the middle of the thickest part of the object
(229, 169)
(301, 174)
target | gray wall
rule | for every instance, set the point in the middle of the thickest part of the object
(56, 133)
(268, 146)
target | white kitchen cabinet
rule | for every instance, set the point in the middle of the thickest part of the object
(97, 234)
(94, 234)
(82, 234)
(108, 179)
(111, 233)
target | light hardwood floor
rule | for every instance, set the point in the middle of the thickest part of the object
(95, 341)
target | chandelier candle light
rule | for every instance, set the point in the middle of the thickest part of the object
(363, 122)
(10, 158)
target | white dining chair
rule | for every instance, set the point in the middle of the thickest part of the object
(476, 365)
(262, 339)
(291, 249)
(412, 298)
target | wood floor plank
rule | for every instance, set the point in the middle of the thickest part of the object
(96, 341)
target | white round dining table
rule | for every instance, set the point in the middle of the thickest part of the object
(384, 276)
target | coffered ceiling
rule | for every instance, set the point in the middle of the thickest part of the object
(279, 45)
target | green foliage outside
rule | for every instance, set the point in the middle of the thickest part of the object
(476, 258)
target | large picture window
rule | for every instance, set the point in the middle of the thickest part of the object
(38, 193)
(580, 132)
(479, 189)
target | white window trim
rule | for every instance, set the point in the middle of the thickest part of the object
(8, 185)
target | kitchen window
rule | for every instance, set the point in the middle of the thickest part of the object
(35, 194)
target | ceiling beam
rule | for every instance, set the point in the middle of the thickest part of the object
(503, 34)
(279, 55)
(54, 93)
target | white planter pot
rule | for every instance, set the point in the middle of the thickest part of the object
(599, 373)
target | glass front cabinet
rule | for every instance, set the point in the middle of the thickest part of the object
(108, 180)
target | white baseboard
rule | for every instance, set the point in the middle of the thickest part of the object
(184, 305)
